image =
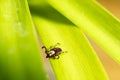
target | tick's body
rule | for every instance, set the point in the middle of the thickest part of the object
(53, 52)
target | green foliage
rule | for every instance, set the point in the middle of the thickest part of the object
(80, 62)
(20, 56)
(94, 20)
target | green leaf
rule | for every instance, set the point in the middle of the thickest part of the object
(20, 57)
(80, 61)
(94, 20)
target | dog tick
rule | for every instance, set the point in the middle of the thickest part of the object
(53, 51)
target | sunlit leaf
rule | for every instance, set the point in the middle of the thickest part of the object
(80, 61)
(94, 20)
(20, 57)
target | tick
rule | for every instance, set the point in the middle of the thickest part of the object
(53, 51)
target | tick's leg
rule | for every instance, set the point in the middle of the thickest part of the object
(56, 44)
(64, 52)
(56, 57)
(47, 56)
(44, 47)
(46, 51)
(51, 47)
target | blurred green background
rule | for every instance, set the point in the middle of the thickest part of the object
(112, 68)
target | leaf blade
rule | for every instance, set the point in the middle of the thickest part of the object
(80, 61)
(19, 60)
(93, 19)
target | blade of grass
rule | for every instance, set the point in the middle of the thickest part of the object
(80, 62)
(93, 19)
(19, 51)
